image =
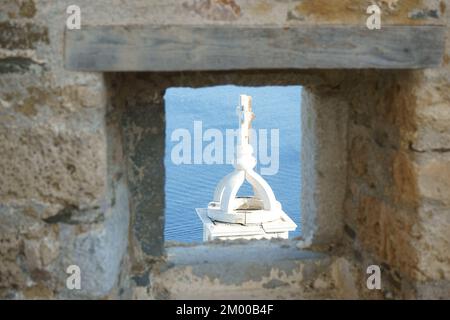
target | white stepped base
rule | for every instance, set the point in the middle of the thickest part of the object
(213, 230)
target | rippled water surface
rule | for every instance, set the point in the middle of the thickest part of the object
(192, 186)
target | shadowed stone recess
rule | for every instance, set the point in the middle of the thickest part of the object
(144, 127)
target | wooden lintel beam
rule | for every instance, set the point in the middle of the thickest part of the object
(197, 48)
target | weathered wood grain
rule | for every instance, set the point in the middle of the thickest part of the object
(180, 48)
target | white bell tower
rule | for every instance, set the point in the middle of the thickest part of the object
(257, 217)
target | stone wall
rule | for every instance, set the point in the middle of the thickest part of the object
(76, 185)
(397, 204)
(62, 199)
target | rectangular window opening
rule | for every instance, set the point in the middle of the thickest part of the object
(200, 145)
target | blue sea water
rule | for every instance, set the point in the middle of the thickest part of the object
(190, 186)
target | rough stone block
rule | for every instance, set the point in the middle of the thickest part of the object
(433, 174)
(98, 250)
(434, 243)
(52, 165)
